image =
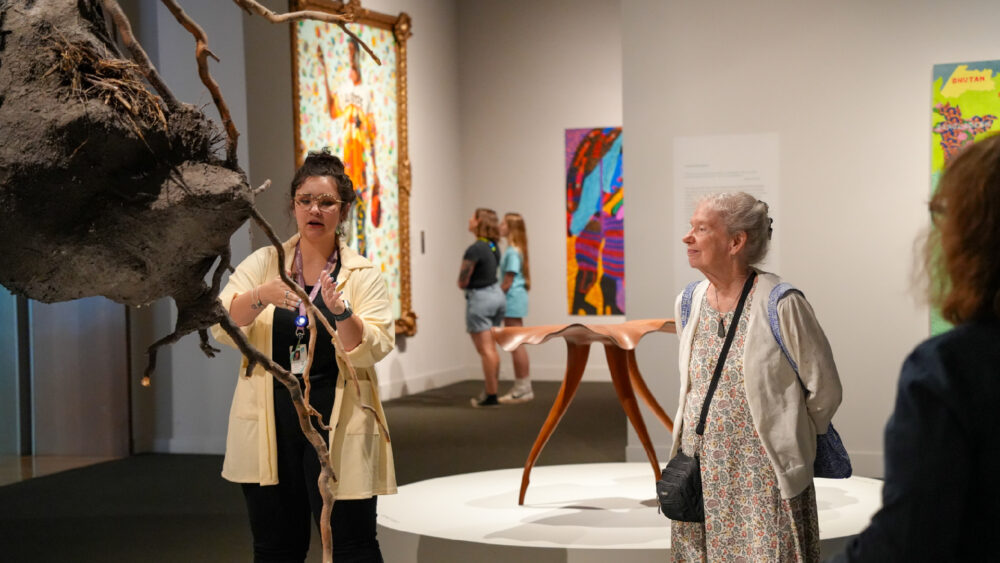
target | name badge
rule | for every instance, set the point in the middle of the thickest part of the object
(298, 355)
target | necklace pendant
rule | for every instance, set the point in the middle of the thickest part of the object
(722, 327)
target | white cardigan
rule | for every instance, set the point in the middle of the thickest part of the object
(786, 419)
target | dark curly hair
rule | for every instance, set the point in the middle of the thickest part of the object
(961, 252)
(322, 163)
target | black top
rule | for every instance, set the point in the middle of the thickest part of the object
(486, 257)
(942, 452)
(324, 366)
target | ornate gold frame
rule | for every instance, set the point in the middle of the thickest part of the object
(400, 26)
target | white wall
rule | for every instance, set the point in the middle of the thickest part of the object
(79, 389)
(530, 70)
(440, 353)
(847, 88)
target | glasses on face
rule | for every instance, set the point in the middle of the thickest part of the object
(325, 202)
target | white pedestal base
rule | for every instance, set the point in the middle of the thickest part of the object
(586, 513)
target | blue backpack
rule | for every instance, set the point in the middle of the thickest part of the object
(832, 461)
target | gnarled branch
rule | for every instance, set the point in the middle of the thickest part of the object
(139, 56)
(305, 374)
(252, 6)
(326, 473)
(337, 344)
(338, 19)
(202, 52)
(215, 313)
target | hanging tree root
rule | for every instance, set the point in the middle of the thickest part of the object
(138, 54)
(198, 306)
(202, 52)
(339, 20)
(326, 473)
(251, 6)
(116, 82)
(338, 345)
(185, 325)
(305, 374)
(206, 311)
(309, 357)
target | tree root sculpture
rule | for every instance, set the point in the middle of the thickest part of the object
(350, 9)
(202, 53)
(139, 54)
(109, 189)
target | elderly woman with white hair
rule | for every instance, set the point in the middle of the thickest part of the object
(777, 388)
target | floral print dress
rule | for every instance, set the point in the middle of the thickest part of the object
(746, 520)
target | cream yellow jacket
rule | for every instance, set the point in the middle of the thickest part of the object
(786, 418)
(360, 456)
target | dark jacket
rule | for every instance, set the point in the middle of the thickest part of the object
(942, 455)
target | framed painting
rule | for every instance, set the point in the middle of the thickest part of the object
(595, 222)
(347, 102)
(965, 108)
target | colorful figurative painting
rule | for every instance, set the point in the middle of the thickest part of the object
(348, 103)
(966, 106)
(595, 218)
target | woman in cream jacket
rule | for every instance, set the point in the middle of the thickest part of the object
(265, 449)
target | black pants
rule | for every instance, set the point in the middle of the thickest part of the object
(281, 515)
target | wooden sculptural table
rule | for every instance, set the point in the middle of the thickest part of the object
(619, 342)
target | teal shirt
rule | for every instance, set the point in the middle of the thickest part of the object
(517, 295)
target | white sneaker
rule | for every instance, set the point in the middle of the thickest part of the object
(517, 396)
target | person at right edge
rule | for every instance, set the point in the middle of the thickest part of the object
(942, 450)
(759, 443)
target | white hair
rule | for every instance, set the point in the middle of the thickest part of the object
(741, 212)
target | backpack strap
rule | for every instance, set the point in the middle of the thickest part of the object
(832, 460)
(779, 292)
(686, 303)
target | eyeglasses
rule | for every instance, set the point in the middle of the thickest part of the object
(325, 202)
(937, 211)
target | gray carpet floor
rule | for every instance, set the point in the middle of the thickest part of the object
(176, 508)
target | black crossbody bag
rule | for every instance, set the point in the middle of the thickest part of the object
(679, 487)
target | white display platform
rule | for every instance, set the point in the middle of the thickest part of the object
(586, 513)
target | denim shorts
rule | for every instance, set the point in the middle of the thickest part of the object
(484, 308)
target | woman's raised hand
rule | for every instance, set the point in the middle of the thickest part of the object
(276, 292)
(331, 296)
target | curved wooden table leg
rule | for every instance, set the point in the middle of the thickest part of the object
(618, 364)
(576, 361)
(640, 387)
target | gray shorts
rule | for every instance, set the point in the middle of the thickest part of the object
(484, 307)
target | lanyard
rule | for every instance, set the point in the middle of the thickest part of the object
(302, 320)
(493, 245)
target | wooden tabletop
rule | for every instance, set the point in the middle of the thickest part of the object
(624, 335)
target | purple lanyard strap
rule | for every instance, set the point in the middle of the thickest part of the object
(302, 320)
